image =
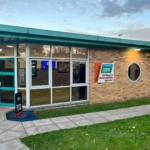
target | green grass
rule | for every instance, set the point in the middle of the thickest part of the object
(127, 134)
(79, 109)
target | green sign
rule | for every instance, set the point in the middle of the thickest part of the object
(106, 68)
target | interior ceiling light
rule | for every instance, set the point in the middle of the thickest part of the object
(137, 49)
(10, 46)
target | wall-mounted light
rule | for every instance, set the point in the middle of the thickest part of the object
(1, 50)
(137, 49)
(10, 46)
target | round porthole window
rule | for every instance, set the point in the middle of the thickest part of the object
(134, 72)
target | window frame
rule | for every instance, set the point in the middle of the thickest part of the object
(139, 74)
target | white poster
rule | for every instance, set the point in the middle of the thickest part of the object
(106, 73)
(21, 80)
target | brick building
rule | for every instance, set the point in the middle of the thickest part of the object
(53, 68)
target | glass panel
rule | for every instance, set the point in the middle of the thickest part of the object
(61, 95)
(7, 81)
(21, 50)
(40, 97)
(61, 72)
(6, 65)
(79, 93)
(23, 97)
(60, 51)
(37, 50)
(134, 72)
(79, 52)
(40, 75)
(21, 72)
(6, 50)
(79, 72)
(7, 97)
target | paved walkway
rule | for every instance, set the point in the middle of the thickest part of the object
(11, 131)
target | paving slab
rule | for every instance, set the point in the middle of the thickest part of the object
(47, 128)
(124, 116)
(9, 135)
(111, 118)
(8, 124)
(12, 145)
(134, 114)
(28, 124)
(31, 131)
(90, 115)
(145, 111)
(83, 122)
(102, 113)
(117, 111)
(19, 128)
(98, 120)
(42, 122)
(2, 130)
(75, 117)
(60, 119)
(67, 125)
(23, 135)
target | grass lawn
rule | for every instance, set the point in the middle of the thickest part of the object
(79, 109)
(127, 134)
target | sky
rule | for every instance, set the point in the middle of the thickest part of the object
(109, 18)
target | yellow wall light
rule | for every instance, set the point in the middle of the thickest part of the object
(137, 49)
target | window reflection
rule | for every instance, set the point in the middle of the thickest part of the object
(39, 72)
(40, 97)
(37, 50)
(78, 52)
(61, 95)
(79, 93)
(134, 72)
(60, 51)
(21, 50)
(61, 72)
(6, 50)
(79, 72)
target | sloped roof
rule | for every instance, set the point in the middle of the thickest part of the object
(14, 34)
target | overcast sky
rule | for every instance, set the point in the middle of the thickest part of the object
(97, 17)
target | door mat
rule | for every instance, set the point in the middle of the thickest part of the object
(26, 116)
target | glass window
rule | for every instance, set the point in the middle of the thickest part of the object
(79, 93)
(61, 95)
(21, 50)
(6, 50)
(6, 65)
(60, 51)
(40, 97)
(79, 52)
(61, 72)
(7, 80)
(79, 72)
(37, 50)
(23, 97)
(7, 96)
(40, 72)
(134, 72)
(21, 72)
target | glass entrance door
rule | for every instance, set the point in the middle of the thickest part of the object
(7, 82)
(79, 81)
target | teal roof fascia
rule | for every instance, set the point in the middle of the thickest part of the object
(52, 36)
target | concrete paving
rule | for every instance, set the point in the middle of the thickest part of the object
(11, 131)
